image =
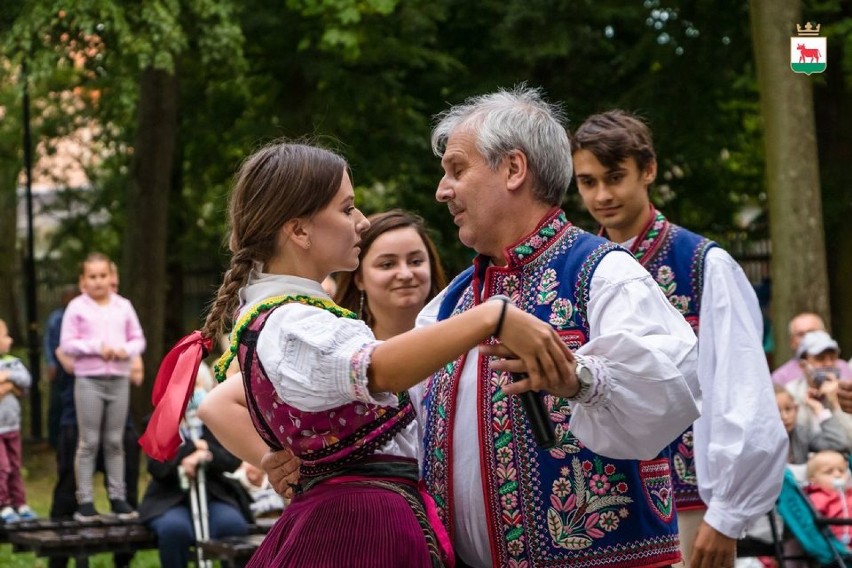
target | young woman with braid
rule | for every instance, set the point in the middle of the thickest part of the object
(399, 272)
(316, 378)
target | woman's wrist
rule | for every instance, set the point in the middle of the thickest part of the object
(502, 307)
(498, 328)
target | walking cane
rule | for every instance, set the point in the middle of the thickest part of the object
(198, 496)
(198, 504)
(202, 499)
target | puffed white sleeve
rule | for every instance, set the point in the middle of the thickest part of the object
(740, 441)
(642, 354)
(316, 360)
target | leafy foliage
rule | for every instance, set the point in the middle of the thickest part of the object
(366, 77)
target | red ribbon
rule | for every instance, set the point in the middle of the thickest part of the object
(172, 391)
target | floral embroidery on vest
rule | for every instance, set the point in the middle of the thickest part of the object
(657, 485)
(562, 312)
(683, 459)
(586, 502)
(559, 410)
(440, 398)
(542, 237)
(665, 277)
(547, 287)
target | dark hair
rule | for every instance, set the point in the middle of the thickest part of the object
(614, 136)
(279, 182)
(348, 295)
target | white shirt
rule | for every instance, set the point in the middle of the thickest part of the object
(307, 353)
(644, 357)
(740, 441)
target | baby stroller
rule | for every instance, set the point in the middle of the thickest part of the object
(811, 530)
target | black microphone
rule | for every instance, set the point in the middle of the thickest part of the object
(542, 427)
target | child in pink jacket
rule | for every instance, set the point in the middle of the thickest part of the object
(101, 332)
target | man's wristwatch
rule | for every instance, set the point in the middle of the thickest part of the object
(584, 377)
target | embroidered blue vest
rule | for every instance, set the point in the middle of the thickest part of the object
(675, 258)
(565, 506)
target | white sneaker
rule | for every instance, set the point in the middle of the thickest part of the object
(8, 515)
(26, 514)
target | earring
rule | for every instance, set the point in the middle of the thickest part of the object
(308, 243)
(361, 305)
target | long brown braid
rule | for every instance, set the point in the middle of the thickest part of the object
(279, 182)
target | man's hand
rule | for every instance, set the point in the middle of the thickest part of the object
(712, 549)
(282, 470)
(844, 395)
(562, 383)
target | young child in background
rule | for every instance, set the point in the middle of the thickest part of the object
(101, 332)
(830, 434)
(829, 491)
(14, 380)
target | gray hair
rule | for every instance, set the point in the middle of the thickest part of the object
(516, 119)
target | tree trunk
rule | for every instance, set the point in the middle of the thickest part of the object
(799, 275)
(143, 266)
(832, 99)
(9, 259)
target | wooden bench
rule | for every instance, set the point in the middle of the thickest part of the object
(77, 540)
(237, 548)
(231, 548)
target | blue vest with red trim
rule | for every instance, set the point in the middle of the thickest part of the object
(565, 506)
(675, 258)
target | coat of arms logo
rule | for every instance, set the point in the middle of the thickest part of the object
(808, 53)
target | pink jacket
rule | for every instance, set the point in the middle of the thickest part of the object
(87, 327)
(833, 505)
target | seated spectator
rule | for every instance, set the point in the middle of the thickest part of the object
(166, 506)
(829, 491)
(265, 501)
(817, 386)
(830, 436)
(799, 326)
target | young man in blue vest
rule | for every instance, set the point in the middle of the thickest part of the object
(729, 466)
